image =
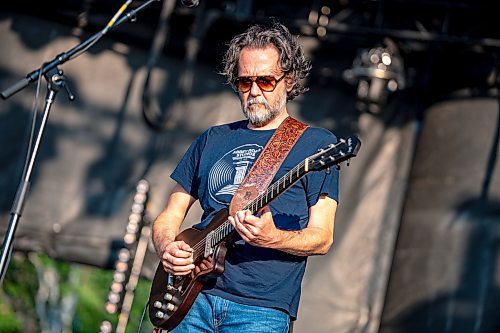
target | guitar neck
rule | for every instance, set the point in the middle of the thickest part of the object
(220, 233)
(278, 187)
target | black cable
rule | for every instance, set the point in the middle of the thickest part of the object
(155, 118)
(142, 317)
(493, 155)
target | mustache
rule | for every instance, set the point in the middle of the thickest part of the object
(256, 100)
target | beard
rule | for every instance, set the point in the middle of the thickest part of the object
(259, 112)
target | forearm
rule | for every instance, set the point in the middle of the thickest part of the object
(307, 242)
(165, 229)
(167, 224)
(315, 239)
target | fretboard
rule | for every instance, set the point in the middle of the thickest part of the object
(272, 192)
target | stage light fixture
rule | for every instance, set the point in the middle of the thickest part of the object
(377, 72)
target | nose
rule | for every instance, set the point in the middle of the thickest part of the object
(255, 90)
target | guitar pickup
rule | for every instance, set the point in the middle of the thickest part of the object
(209, 249)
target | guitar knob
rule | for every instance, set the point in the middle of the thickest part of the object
(170, 307)
(168, 297)
(160, 315)
(158, 304)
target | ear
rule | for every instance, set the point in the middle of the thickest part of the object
(289, 83)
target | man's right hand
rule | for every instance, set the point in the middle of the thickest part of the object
(177, 258)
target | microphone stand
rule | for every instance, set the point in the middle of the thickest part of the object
(55, 81)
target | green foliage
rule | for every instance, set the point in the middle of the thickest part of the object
(8, 320)
(92, 292)
(20, 287)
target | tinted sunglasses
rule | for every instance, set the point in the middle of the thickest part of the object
(266, 82)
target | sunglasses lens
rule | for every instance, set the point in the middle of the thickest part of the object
(266, 83)
(243, 84)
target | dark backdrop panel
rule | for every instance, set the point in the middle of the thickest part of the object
(445, 275)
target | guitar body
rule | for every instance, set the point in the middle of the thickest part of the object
(171, 296)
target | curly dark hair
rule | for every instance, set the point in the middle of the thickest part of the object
(292, 60)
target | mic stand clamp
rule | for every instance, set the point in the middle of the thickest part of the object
(56, 80)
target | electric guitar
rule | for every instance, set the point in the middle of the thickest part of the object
(171, 296)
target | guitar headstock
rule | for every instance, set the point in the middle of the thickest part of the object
(334, 154)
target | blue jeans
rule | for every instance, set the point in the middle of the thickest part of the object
(213, 314)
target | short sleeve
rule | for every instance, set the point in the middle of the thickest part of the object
(187, 171)
(325, 182)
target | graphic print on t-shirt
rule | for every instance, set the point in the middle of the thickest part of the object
(228, 172)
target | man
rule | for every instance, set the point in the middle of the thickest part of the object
(259, 290)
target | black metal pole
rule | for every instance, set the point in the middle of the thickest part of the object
(55, 81)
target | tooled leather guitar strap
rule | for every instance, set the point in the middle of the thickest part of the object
(268, 163)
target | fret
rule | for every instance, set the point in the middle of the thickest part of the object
(255, 205)
(275, 189)
(221, 232)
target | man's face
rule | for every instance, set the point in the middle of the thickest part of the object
(259, 106)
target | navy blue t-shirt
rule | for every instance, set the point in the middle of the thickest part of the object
(211, 171)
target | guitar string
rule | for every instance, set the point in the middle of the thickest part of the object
(202, 244)
(261, 197)
(270, 190)
(275, 186)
